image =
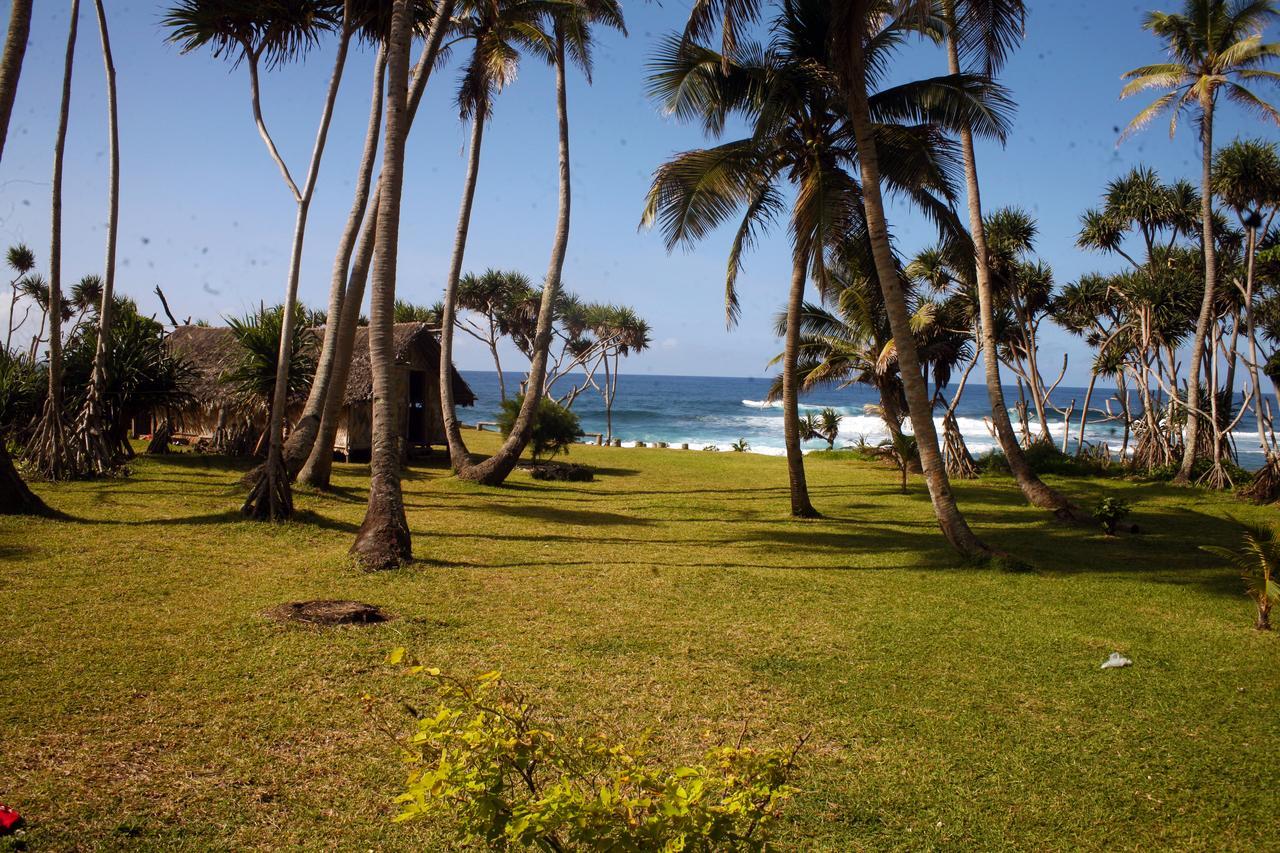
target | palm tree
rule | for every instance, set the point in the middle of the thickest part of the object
(15, 48)
(800, 134)
(92, 441)
(328, 392)
(1246, 176)
(499, 298)
(1214, 46)
(48, 451)
(998, 27)
(383, 540)
(498, 29)
(273, 35)
(571, 24)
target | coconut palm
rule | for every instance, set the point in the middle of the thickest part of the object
(272, 34)
(498, 30)
(15, 48)
(1258, 560)
(93, 445)
(1246, 176)
(48, 452)
(571, 22)
(982, 33)
(254, 374)
(351, 267)
(1215, 47)
(800, 135)
(383, 540)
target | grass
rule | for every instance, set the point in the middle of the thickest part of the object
(147, 703)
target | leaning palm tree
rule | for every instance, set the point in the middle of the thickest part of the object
(1215, 47)
(92, 440)
(383, 540)
(982, 32)
(15, 48)
(571, 23)
(48, 452)
(270, 35)
(498, 30)
(311, 444)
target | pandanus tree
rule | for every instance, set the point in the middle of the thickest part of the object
(1246, 176)
(49, 452)
(1215, 48)
(571, 23)
(94, 445)
(495, 301)
(310, 446)
(267, 34)
(383, 540)
(498, 31)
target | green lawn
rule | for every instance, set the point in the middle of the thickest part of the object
(145, 702)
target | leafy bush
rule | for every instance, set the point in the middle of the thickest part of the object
(740, 446)
(1110, 512)
(483, 757)
(1044, 457)
(554, 426)
(1165, 473)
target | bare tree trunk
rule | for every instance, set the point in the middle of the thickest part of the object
(1210, 278)
(458, 453)
(495, 469)
(319, 464)
(303, 437)
(270, 497)
(92, 440)
(1259, 397)
(48, 451)
(1084, 415)
(383, 541)
(15, 497)
(950, 519)
(800, 504)
(15, 48)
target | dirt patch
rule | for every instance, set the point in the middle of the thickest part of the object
(328, 612)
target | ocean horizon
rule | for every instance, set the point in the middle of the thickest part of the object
(706, 411)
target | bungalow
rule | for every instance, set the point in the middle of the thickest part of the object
(216, 417)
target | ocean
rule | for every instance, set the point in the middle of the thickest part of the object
(702, 411)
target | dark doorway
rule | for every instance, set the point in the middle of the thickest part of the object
(417, 407)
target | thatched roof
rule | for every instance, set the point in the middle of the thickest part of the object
(212, 351)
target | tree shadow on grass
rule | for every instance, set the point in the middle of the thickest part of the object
(559, 515)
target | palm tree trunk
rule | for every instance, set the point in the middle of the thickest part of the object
(495, 469)
(800, 504)
(458, 453)
(15, 497)
(1084, 415)
(1210, 276)
(1259, 397)
(92, 440)
(48, 451)
(303, 437)
(383, 541)
(15, 48)
(270, 497)
(1033, 488)
(950, 520)
(319, 465)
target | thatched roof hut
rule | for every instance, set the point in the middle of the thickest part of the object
(213, 351)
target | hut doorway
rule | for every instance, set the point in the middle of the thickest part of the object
(417, 433)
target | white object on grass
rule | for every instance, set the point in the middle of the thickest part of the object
(1116, 661)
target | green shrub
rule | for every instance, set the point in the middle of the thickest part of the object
(482, 757)
(1044, 457)
(554, 426)
(1110, 512)
(1165, 473)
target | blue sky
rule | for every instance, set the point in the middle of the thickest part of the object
(205, 214)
